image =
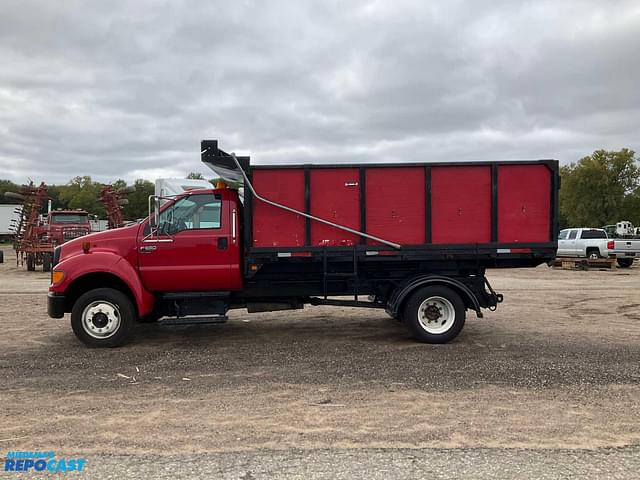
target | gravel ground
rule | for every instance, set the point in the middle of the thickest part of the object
(383, 464)
(545, 387)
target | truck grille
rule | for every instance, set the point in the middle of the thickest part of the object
(70, 234)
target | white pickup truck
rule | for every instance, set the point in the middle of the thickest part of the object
(594, 243)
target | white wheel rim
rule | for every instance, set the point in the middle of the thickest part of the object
(101, 319)
(436, 315)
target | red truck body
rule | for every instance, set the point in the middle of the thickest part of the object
(408, 205)
(65, 225)
(415, 238)
(39, 241)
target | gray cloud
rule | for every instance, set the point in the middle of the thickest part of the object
(128, 89)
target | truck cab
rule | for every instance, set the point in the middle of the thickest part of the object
(194, 246)
(64, 225)
(170, 266)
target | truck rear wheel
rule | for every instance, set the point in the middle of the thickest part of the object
(103, 317)
(434, 314)
(624, 262)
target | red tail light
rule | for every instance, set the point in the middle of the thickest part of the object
(610, 244)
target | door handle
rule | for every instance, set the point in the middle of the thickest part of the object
(148, 248)
(223, 242)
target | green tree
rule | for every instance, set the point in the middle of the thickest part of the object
(82, 192)
(138, 206)
(195, 176)
(599, 189)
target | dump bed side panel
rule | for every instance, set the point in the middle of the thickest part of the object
(461, 204)
(335, 196)
(524, 203)
(273, 227)
(395, 204)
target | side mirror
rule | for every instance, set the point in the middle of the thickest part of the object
(154, 211)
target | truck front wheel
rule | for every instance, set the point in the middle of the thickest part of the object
(103, 317)
(434, 314)
(593, 254)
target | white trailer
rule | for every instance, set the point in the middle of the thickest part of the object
(9, 216)
(168, 187)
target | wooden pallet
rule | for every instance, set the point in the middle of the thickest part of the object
(576, 263)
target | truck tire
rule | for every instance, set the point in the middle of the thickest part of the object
(46, 262)
(624, 262)
(31, 262)
(434, 314)
(593, 254)
(103, 317)
(1, 256)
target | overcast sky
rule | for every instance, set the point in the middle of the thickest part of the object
(127, 89)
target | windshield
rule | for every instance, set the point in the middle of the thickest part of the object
(69, 218)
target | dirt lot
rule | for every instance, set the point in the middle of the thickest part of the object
(557, 366)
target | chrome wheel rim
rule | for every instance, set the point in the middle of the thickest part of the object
(101, 319)
(436, 315)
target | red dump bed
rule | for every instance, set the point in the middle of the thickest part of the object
(439, 204)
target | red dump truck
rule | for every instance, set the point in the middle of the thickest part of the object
(411, 239)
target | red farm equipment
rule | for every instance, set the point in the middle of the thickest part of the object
(113, 201)
(30, 245)
(36, 236)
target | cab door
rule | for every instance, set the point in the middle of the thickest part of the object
(193, 249)
(563, 244)
(572, 243)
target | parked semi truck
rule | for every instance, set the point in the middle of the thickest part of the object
(413, 240)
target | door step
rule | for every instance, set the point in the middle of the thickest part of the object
(209, 320)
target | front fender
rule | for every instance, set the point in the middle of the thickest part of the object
(78, 266)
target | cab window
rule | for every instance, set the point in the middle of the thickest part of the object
(573, 234)
(593, 234)
(563, 234)
(195, 212)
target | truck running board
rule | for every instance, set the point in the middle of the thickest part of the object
(344, 303)
(216, 319)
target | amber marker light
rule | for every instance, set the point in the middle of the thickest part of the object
(86, 246)
(56, 277)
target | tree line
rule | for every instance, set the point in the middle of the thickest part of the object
(599, 189)
(84, 193)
